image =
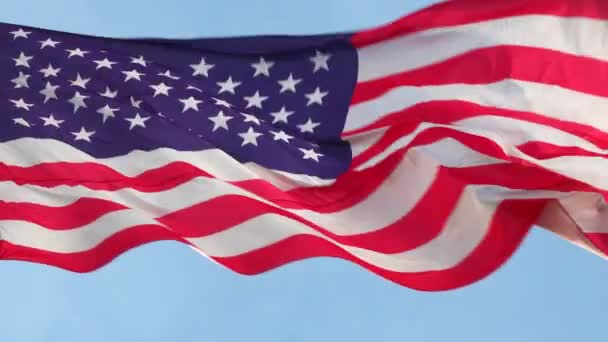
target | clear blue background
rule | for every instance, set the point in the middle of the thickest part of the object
(550, 290)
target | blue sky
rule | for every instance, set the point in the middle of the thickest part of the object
(550, 290)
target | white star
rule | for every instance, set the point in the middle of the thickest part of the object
(220, 121)
(76, 52)
(107, 112)
(316, 97)
(49, 92)
(320, 60)
(109, 93)
(22, 104)
(137, 120)
(262, 67)
(20, 34)
(78, 101)
(132, 75)
(83, 135)
(250, 118)
(104, 63)
(255, 100)
(228, 85)
(220, 102)
(139, 60)
(281, 115)
(22, 60)
(250, 137)
(309, 126)
(310, 154)
(51, 121)
(135, 103)
(22, 122)
(80, 82)
(50, 71)
(281, 136)
(202, 68)
(161, 89)
(289, 84)
(168, 75)
(191, 87)
(48, 42)
(190, 103)
(21, 80)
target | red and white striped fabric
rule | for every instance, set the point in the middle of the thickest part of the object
(471, 121)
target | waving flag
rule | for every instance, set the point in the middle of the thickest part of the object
(423, 150)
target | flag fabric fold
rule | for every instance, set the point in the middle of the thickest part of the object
(423, 150)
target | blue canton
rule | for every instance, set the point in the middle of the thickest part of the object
(280, 102)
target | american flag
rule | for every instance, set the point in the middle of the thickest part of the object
(423, 150)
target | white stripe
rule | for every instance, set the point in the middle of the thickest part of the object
(464, 229)
(468, 222)
(577, 36)
(589, 170)
(396, 196)
(26, 152)
(547, 100)
(80, 239)
(359, 143)
(588, 210)
(448, 152)
(507, 134)
(413, 176)
(513, 132)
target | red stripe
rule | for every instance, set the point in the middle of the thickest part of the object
(599, 240)
(498, 63)
(459, 12)
(93, 258)
(100, 177)
(535, 149)
(430, 135)
(521, 176)
(543, 150)
(447, 112)
(508, 228)
(81, 212)
(344, 192)
(430, 212)
(516, 174)
(217, 214)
